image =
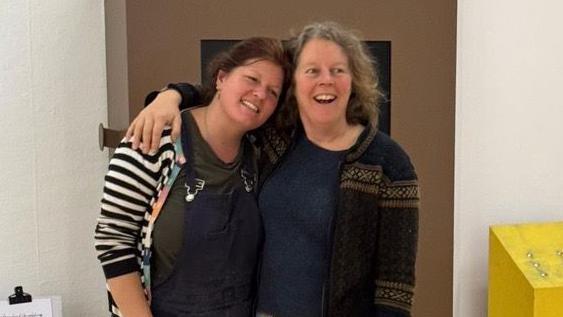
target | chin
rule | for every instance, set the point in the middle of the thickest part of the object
(248, 125)
(324, 118)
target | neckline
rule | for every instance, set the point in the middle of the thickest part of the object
(196, 129)
(310, 143)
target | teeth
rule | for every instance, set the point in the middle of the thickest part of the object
(249, 105)
(325, 97)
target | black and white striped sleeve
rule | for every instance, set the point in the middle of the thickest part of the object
(130, 187)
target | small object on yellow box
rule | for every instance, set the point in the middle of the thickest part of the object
(526, 270)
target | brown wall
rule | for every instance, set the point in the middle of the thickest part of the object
(163, 46)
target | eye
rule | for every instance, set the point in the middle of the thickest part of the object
(338, 70)
(252, 78)
(274, 93)
(311, 71)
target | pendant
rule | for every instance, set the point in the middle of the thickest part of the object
(190, 195)
(248, 179)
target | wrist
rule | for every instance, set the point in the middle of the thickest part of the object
(171, 95)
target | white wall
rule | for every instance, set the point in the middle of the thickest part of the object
(52, 98)
(509, 130)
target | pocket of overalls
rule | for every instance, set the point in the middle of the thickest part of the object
(225, 222)
(214, 235)
(210, 215)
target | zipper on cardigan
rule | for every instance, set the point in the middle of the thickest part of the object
(323, 300)
(258, 276)
(326, 288)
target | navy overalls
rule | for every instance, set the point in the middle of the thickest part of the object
(215, 272)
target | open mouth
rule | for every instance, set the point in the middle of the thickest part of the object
(324, 98)
(249, 105)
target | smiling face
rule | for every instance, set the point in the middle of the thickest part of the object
(323, 84)
(249, 93)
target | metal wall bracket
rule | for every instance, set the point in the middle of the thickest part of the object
(108, 137)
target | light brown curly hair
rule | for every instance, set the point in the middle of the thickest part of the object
(365, 96)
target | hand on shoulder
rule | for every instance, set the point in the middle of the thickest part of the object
(146, 129)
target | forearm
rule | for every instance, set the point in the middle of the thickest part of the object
(166, 96)
(183, 95)
(397, 246)
(128, 294)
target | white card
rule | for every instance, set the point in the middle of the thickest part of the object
(40, 307)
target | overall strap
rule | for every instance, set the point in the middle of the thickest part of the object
(187, 144)
(247, 171)
(180, 160)
(193, 183)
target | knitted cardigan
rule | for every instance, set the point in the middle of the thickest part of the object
(375, 234)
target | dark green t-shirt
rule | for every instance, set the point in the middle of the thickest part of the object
(219, 177)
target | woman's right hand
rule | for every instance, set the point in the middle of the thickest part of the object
(146, 129)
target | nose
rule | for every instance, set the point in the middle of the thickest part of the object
(259, 92)
(326, 78)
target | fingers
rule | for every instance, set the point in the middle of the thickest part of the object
(147, 135)
(156, 134)
(146, 129)
(134, 132)
(176, 126)
(130, 130)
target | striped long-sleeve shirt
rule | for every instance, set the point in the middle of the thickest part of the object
(132, 185)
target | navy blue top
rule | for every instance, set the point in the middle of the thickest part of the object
(297, 204)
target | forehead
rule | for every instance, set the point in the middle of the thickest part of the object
(322, 50)
(263, 67)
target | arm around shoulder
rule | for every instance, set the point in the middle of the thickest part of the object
(162, 108)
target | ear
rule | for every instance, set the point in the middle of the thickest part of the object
(221, 76)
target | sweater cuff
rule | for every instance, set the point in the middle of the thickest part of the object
(121, 268)
(382, 311)
(190, 95)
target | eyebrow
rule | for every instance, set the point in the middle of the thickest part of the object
(261, 79)
(316, 64)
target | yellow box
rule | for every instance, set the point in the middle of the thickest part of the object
(526, 270)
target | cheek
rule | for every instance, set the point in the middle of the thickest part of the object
(346, 85)
(272, 104)
(300, 89)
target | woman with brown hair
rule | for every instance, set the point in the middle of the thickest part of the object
(180, 235)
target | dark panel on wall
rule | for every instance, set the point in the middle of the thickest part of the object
(210, 48)
(381, 52)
